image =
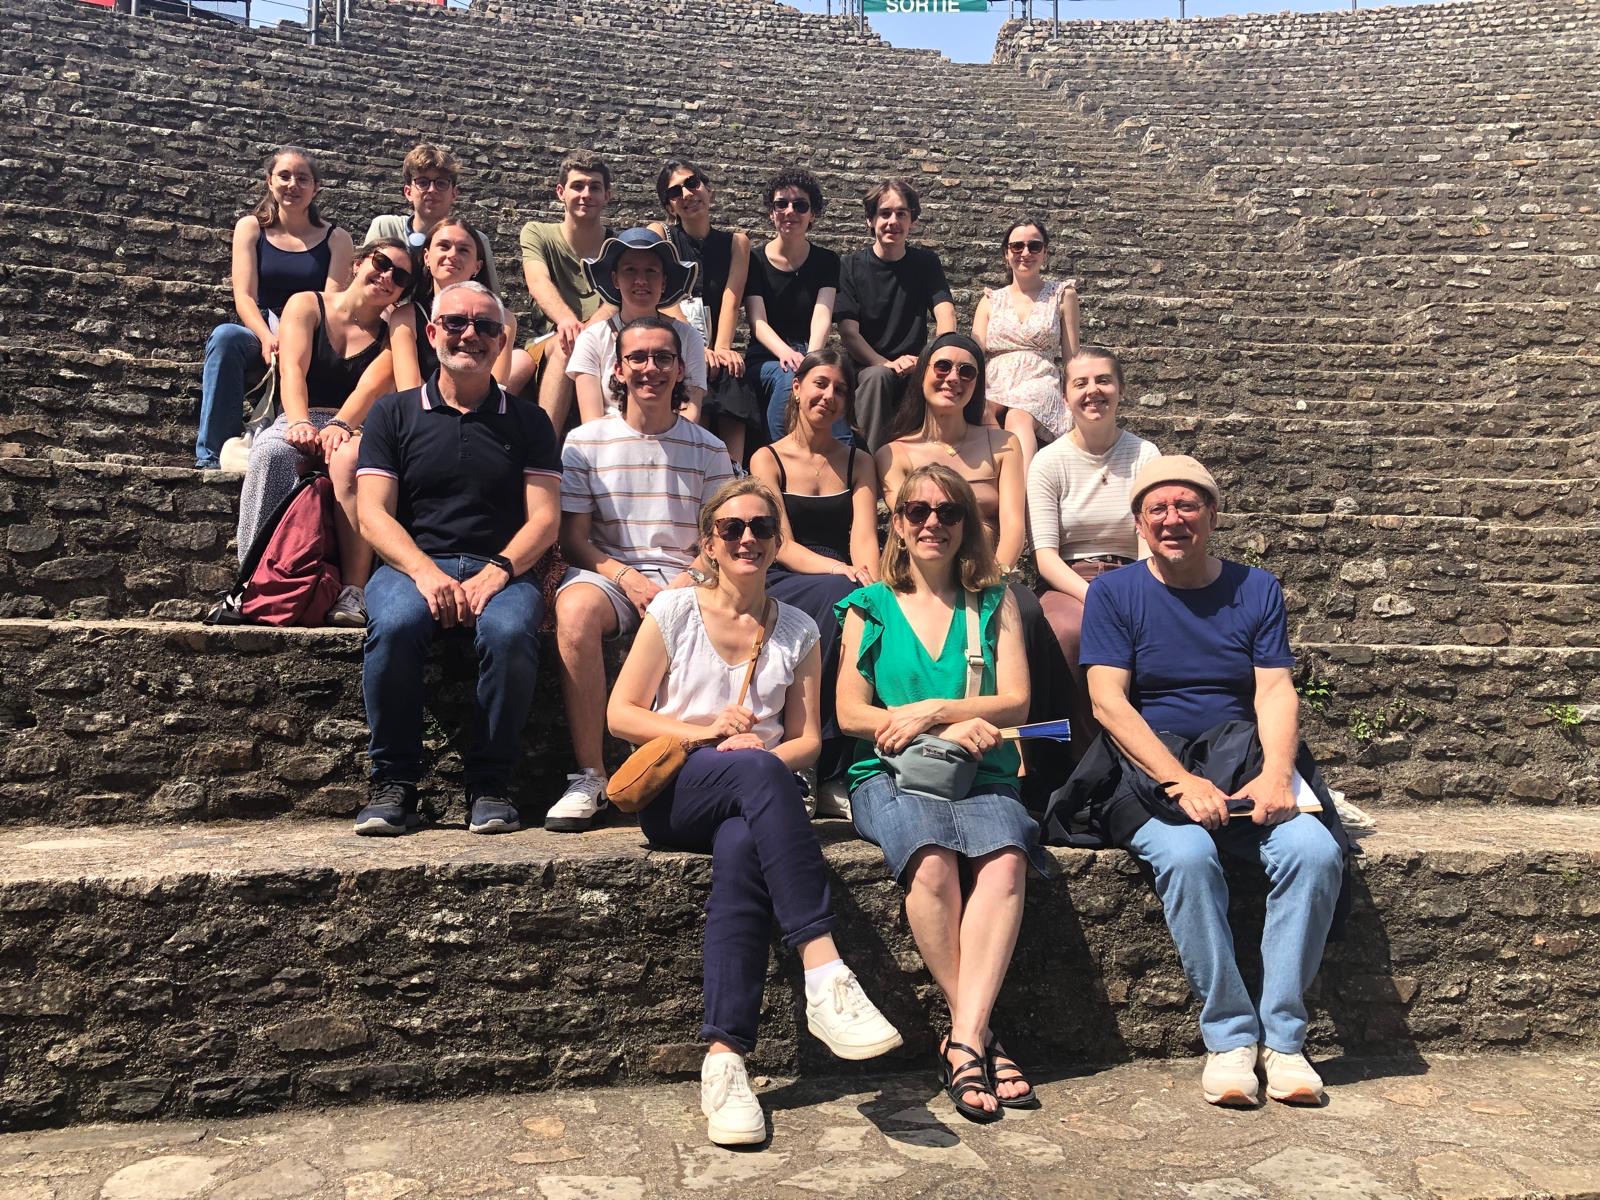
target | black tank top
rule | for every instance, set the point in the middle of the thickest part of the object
(282, 273)
(714, 253)
(329, 378)
(821, 523)
(427, 356)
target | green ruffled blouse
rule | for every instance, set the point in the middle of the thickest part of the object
(900, 671)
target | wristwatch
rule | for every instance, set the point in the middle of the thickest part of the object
(504, 563)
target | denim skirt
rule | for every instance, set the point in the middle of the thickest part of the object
(900, 824)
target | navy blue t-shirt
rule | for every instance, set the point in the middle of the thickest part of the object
(461, 475)
(1193, 651)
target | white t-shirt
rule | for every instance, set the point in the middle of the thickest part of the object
(644, 490)
(1078, 502)
(700, 683)
(595, 353)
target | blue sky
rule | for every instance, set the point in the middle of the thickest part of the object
(969, 37)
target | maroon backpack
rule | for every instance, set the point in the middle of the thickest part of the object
(291, 574)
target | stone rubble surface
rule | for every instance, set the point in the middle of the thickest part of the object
(1449, 1128)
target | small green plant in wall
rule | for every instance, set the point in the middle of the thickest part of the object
(1368, 725)
(1316, 693)
(1568, 716)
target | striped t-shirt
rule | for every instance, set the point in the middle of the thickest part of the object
(1078, 503)
(644, 490)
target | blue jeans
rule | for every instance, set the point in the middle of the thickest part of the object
(744, 807)
(1304, 867)
(399, 632)
(777, 385)
(230, 350)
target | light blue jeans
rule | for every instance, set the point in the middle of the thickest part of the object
(1305, 869)
(231, 351)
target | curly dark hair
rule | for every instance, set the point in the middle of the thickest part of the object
(795, 177)
(619, 390)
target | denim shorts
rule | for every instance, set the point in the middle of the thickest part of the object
(900, 824)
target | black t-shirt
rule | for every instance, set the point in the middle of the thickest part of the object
(790, 296)
(461, 474)
(891, 301)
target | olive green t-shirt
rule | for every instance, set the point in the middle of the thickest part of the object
(543, 241)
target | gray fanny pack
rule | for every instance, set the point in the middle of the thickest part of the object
(932, 767)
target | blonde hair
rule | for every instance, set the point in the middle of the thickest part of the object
(975, 564)
(732, 490)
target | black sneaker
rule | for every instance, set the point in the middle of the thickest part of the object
(492, 814)
(391, 810)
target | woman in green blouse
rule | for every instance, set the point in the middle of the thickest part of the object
(902, 673)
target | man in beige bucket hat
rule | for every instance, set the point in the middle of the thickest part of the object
(1189, 672)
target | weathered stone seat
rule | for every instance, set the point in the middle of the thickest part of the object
(239, 967)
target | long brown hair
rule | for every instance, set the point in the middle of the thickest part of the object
(828, 356)
(266, 209)
(975, 564)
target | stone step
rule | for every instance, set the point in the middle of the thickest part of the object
(259, 966)
(91, 540)
(1439, 1125)
(163, 721)
(107, 402)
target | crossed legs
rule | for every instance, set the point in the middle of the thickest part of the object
(967, 940)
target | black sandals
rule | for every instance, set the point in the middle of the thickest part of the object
(960, 1082)
(997, 1060)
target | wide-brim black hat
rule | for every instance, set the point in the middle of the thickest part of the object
(679, 275)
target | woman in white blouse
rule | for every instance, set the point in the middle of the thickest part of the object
(737, 796)
(1079, 514)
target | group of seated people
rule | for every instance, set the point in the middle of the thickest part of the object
(770, 630)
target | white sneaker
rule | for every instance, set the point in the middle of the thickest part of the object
(349, 609)
(579, 805)
(1230, 1077)
(1290, 1078)
(733, 1114)
(833, 799)
(847, 1022)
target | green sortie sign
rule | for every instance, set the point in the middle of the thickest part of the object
(925, 6)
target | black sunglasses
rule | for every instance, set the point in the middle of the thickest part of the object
(965, 372)
(731, 529)
(948, 512)
(661, 358)
(784, 204)
(692, 184)
(1032, 246)
(455, 324)
(382, 264)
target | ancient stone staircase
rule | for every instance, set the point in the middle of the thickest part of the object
(186, 925)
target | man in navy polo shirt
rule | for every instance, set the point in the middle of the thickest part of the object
(458, 491)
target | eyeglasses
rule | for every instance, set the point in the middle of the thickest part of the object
(1185, 508)
(1032, 246)
(382, 265)
(731, 529)
(692, 184)
(431, 182)
(965, 372)
(455, 324)
(784, 204)
(948, 512)
(660, 358)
